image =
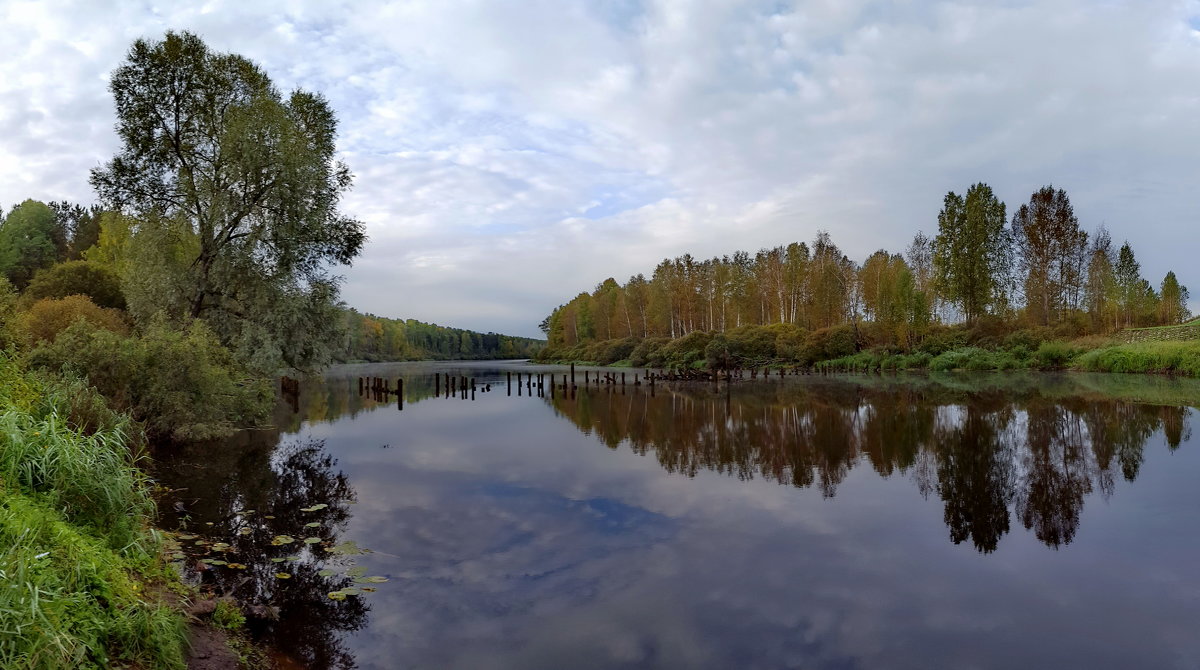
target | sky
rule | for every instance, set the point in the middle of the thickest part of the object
(509, 155)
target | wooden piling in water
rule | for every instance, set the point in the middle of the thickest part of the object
(572, 374)
(400, 394)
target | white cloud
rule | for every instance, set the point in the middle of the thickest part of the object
(509, 155)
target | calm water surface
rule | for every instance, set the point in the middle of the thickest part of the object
(859, 522)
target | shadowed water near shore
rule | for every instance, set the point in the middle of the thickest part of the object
(924, 521)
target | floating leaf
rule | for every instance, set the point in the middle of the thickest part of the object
(314, 508)
(337, 595)
(221, 546)
(208, 523)
(356, 571)
(277, 560)
(369, 589)
(269, 517)
(348, 548)
(209, 561)
(372, 580)
(187, 537)
(282, 575)
(292, 558)
(315, 524)
(237, 566)
(248, 511)
(283, 539)
(311, 540)
(326, 572)
(178, 556)
(245, 530)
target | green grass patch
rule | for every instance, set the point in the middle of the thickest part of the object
(1182, 358)
(75, 542)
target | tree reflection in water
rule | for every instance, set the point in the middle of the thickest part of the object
(262, 493)
(1031, 451)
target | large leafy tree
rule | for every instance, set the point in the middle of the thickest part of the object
(1053, 253)
(971, 253)
(29, 239)
(209, 144)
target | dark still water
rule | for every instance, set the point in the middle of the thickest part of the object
(1035, 521)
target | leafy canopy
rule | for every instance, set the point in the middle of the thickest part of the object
(209, 144)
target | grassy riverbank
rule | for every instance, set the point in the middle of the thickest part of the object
(843, 349)
(79, 561)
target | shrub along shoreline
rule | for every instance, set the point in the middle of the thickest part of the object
(980, 347)
(79, 558)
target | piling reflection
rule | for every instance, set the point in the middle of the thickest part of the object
(991, 455)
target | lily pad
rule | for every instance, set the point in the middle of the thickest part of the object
(326, 573)
(348, 548)
(268, 517)
(337, 595)
(372, 580)
(245, 530)
(314, 508)
(356, 571)
(311, 540)
(282, 575)
(283, 539)
(351, 591)
(315, 524)
(277, 560)
(292, 558)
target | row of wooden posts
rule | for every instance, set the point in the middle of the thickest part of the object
(380, 388)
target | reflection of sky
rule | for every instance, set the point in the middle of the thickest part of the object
(515, 541)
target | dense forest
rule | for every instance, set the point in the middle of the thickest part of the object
(374, 338)
(1039, 271)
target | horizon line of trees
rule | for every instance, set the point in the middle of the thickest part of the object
(1039, 268)
(375, 338)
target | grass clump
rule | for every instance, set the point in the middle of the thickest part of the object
(75, 544)
(1182, 358)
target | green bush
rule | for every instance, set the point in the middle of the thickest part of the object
(941, 339)
(1054, 355)
(93, 280)
(181, 384)
(646, 351)
(829, 343)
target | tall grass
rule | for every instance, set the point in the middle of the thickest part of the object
(1182, 358)
(75, 544)
(90, 478)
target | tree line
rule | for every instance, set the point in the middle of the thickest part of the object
(375, 338)
(1039, 268)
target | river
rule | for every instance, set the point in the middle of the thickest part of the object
(925, 521)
